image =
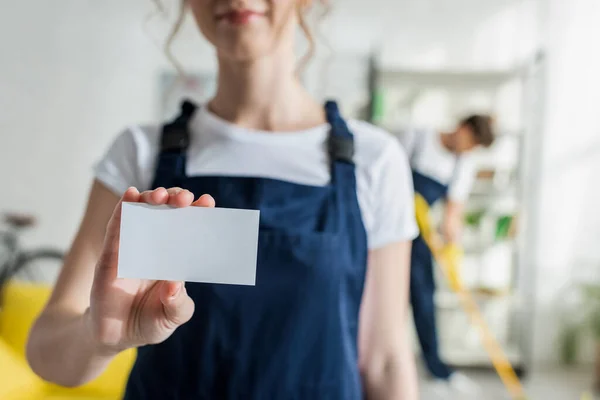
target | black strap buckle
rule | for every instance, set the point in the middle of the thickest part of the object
(341, 149)
(175, 138)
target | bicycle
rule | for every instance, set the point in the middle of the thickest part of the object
(25, 264)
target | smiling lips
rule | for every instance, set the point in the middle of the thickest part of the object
(239, 17)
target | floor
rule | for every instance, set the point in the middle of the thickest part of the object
(541, 385)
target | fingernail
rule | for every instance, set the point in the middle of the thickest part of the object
(177, 290)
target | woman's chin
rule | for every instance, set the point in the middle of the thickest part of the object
(243, 51)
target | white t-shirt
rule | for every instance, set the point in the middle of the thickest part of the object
(429, 157)
(384, 181)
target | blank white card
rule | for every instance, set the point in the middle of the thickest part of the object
(194, 244)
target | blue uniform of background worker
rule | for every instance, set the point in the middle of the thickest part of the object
(442, 169)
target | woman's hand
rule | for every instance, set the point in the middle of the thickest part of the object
(452, 224)
(451, 230)
(127, 313)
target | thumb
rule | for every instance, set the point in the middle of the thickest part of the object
(178, 307)
(107, 264)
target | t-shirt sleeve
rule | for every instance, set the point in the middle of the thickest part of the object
(393, 199)
(118, 168)
(462, 182)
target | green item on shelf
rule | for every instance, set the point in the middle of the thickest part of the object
(569, 347)
(591, 294)
(378, 105)
(579, 320)
(503, 226)
(474, 218)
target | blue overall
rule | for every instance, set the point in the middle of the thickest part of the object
(294, 334)
(422, 284)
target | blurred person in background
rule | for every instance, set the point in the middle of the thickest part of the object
(442, 170)
(337, 222)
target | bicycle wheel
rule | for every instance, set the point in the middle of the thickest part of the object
(40, 266)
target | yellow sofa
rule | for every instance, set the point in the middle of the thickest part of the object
(21, 303)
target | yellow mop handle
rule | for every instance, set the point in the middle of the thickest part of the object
(447, 263)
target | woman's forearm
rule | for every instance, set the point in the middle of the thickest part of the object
(386, 359)
(393, 377)
(407, 374)
(62, 350)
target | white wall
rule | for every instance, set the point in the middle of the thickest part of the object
(567, 223)
(462, 34)
(73, 73)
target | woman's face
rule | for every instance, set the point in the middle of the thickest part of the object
(244, 30)
(464, 139)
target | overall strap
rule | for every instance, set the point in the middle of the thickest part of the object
(174, 142)
(176, 134)
(340, 142)
(341, 154)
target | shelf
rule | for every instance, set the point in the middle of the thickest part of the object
(501, 194)
(462, 79)
(483, 248)
(496, 212)
(512, 134)
(494, 193)
(477, 357)
(449, 299)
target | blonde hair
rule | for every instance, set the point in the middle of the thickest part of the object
(302, 8)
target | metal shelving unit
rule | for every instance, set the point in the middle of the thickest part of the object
(507, 306)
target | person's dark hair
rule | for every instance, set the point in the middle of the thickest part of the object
(481, 125)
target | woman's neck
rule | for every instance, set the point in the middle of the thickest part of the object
(265, 94)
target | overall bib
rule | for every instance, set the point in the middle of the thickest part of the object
(294, 334)
(422, 284)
